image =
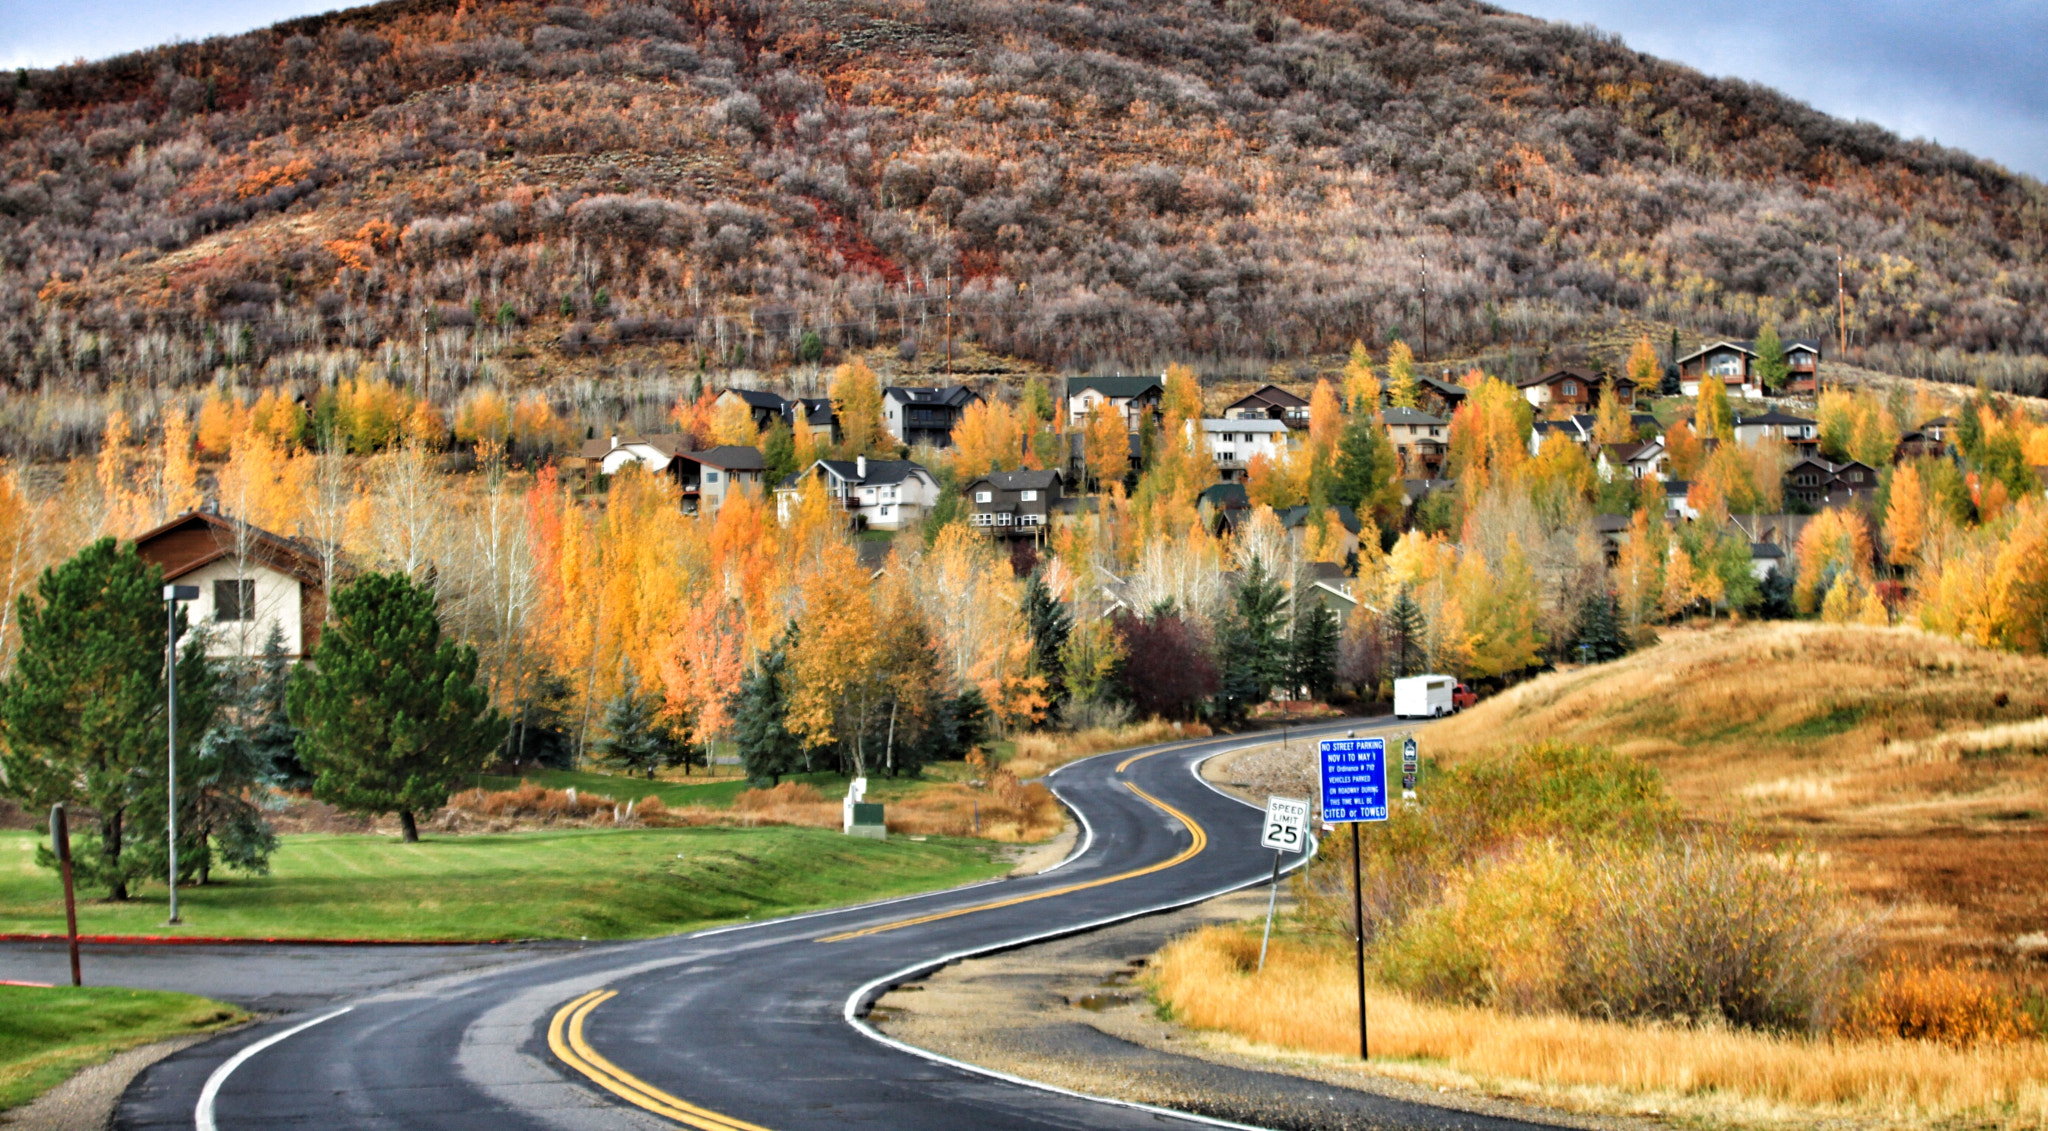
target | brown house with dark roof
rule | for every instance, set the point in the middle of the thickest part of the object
(1270, 402)
(1576, 389)
(249, 579)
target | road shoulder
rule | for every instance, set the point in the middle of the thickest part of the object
(85, 1102)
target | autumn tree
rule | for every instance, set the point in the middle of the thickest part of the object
(1905, 521)
(1361, 386)
(1614, 425)
(1403, 390)
(1771, 368)
(389, 714)
(988, 437)
(1106, 446)
(857, 406)
(1642, 366)
(1711, 416)
(1168, 669)
(732, 422)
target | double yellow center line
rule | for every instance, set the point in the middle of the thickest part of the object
(1199, 842)
(565, 1032)
(565, 1037)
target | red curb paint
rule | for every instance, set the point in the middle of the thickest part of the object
(217, 940)
(30, 985)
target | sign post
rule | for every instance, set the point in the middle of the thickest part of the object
(1353, 774)
(1411, 763)
(60, 843)
(1286, 831)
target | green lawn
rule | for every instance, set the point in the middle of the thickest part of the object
(577, 883)
(46, 1035)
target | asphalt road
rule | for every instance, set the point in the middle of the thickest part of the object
(743, 1028)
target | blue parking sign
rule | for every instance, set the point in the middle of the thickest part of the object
(1354, 779)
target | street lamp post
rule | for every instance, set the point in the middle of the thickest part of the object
(172, 595)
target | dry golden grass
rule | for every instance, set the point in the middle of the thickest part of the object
(1041, 752)
(1916, 762)
(1303, 1002)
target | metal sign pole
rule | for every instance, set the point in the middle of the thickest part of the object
(1358, 938)
(171, 681)
(60, 843)
(1272, 898)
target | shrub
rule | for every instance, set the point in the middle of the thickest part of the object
(1935, 1003)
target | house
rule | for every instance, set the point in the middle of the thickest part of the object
(877, 494)
(767, 407)
(1233, 444)
(1270, 402)
(1577, 428)
(1295, 521)
(818, 417)
(248, 579)
(1420, 440)
(1414, 491)
(1644, 459)
(654, 453)
(1774, 425)
(1938, 428)
(1734, 362)
(1613, 532)
(1131, 396)
(1574, 388)
(1326, 584)
(1222, 506)
(710, 477)
(921, 414)
(1819, 483)
(1014, 504)
(1439, 396)
(1765, 559)
(1918, 445)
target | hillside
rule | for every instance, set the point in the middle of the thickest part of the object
(514, 192)
(1916, 763)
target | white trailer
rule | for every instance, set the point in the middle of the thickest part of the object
(1424, 696)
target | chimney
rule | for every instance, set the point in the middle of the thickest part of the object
(860, 468)
(615, 439)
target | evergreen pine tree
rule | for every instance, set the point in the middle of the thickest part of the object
(1050, 626)
(1365, 469)
(760, 710)
(778, 452)
(1253, 654)
(219, 820)
(82, 713)
(1312, 657)
(637, 738)
(1405, 627)
(390, 715)
(1597, 629)
(268, 723)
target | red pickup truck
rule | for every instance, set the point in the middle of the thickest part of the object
(1463, 697)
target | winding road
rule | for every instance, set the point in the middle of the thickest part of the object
(744, 1028)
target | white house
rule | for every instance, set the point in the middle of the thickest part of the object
(652, 452)
(248, 579)
(1127, 396)
(1233, 444)
(1644, 460)
(877, 494)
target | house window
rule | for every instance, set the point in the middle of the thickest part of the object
(887, 511)
(1028, 496)
(1571, 388)
(234, 600)
(1725, 365)
(984, 496)
(710, 477)
(1855, 477)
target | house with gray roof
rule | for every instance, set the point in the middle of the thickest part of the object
(876, 494)
(924, 414)
(1014, 504)
(1130, 396)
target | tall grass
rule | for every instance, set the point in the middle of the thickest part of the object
(1303, 1002)
(1043, 751)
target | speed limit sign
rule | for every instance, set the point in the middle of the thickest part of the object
(1286, 825)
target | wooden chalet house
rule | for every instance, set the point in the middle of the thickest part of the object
(1014, 504)
(249, 579)
(1421, 441)
(1817, 482)
(1270, 402)
(1733, 360)
(1575, 389)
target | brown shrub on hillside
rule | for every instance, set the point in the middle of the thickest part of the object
(1936, 1003)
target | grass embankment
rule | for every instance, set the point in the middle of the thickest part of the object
(48, 1034)
(1304, 1003)
(570, 883)
(1917, 764)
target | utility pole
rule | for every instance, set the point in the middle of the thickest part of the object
(1841, 317)
(949, 324)
(1425, 306)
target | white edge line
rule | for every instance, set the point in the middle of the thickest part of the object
(861, 996)
(202, 1113)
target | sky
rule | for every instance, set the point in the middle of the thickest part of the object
(1973, 76)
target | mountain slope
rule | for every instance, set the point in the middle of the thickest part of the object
(477, 191)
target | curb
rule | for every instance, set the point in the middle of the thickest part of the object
(223, 940)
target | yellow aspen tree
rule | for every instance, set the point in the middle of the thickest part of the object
(1680, 590)
(1403, 391)
(1277, 481)
(804, 438)
(1683, 448)
(1639, 569)
(1106, 446)
(1905, 518)
(124, 509)
(221, 419)
(281, 417)
(1838, 606)
(1873, 611)
(1642, 366)
(989, 437)
(484, 418)
(2016, 611)
(732, 422)
(1613, 425)
(1835, 541)
(180, 474)
(1361, 385)
(1322, 539)
(857, 403)
(1182, 395)
(1712, 418)
(425, 427)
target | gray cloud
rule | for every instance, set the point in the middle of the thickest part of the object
(1972, 77)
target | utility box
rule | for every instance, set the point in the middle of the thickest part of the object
(867, 821)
